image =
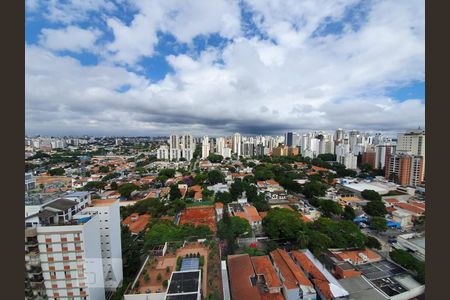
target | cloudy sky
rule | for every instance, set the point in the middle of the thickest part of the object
(151, 67)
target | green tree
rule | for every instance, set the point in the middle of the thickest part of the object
(167, 172)
(349, 213)
(215, 158)
(283, 223)
(378, 223)
(126, 189)
(375, 209)
(56, 172)
(114, 186)
(371, 195)
(103, 169)
(215, 176)
(313, 189)
(237, 226)
(174, 193)
(329, 208)
(159, 277)
(409, 262)
(224, 197)
(373, 243)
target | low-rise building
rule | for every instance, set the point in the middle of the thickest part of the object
(295, 284)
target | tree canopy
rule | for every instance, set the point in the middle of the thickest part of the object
(126, 189)
(215, 176)
(375, 209)
(371, 195)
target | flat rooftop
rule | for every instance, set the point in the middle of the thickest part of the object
(360, 289)
(184, 282)
(361, 186)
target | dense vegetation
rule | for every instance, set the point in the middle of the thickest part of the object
(408, 261)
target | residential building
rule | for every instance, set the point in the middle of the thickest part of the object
(30, 182)
(326, 285)
(163, 153)
(295, 284)
(71, 259)
(205, 147)
(242, 277)
(405, 169)
(369, 158)
(413, 142)
(108, 212)
(236, 143)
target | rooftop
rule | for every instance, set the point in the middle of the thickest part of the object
(357, 256)
(263, 266)
(184, 282)
(241, 271)
(291, 273)
(136, 223)
(105, 202)
(360, 289)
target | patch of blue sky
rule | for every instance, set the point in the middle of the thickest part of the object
(414, 90)
(354, 16)
(248, 24)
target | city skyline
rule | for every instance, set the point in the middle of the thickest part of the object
(140, 68)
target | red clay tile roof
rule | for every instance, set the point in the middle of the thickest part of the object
(418, 204)
(252, 213)
(318, 169)
(390, 209)
(410, 208)
(218, 205)
(263, 266)
(138, 225)
(289, 270)
(319, 279)
(263, 214)
(353, 255)
(240, 269)
(391, 200)
(305, 219)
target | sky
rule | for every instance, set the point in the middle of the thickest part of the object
(155, 67)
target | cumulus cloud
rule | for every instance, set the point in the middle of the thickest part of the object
(183, 19)
(71, 38)
(291, 80)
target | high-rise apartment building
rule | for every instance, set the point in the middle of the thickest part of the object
(180, 147)
(405, 169)
(71, 260)
(289, 139)
(205, 147)
(163, 152)
(236, 142)
(381, 154)
(108, 212)
(412, 142)
(73, 248)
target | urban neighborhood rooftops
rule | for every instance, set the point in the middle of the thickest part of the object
(241, 273)
(136, 223)
(290, 272)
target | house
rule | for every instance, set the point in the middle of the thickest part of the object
(356, 257)
(295, 284)
(242, 277)
(248, 212)
(326, 285)
(266, 278)
(136, 223)
(276, 197)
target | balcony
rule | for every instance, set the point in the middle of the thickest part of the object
(31, 241)
(32, 250)
(35, 271)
